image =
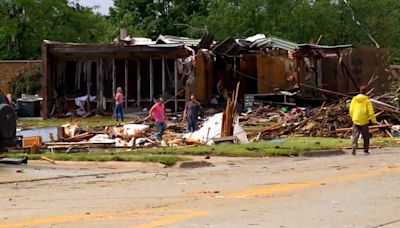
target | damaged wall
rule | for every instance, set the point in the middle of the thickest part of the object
(365, 62)
(204, 82)
(276, 71)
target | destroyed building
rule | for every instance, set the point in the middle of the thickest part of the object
(77, 70)
(266, 65)
(174, 67)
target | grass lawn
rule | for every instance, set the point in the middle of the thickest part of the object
(289, 146)
(292, 146)
(168, 160)
(83, 122)
(283, 147)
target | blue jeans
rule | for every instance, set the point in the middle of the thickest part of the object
(191, 124)
(160, 129)
(118, 112)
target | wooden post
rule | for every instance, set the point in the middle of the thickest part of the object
(114, 83)
(47, 82)
(163, 75)
(101, 85)
(151, 80)
(234, 68)
(88, 84)
(126, 84)
(176, 85)
(139, 81)
(98, 67)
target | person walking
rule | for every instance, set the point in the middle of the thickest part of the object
(158, 114)
(361, 112)
(119, 101)
(190, 114)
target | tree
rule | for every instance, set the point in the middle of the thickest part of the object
(154, 17)
(24, 24)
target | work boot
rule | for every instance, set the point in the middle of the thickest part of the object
(366, 152)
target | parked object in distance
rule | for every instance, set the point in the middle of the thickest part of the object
(8, 122)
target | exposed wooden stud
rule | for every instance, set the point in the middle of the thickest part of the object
(176, 84)
(114, 85)
(126, 84)
(88, 84)
(101, 83)
(46, 80)
(163, 75)
(98, 67)
(234, 68)
(139, 82)
(151, 80)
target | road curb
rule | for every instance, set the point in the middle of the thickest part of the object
(322, 153)
(194, 164)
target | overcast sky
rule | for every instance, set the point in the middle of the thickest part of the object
(103, 4)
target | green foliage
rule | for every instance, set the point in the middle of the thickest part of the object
(28, 82)
(152, 18)
(24, 24)
(103, 157)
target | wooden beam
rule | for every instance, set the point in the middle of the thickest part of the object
(163, 75)
(114, 83)
(139, 82)
(176, 84)
(98, 67)
(47, 82)
(88, 84)
(126, 84)
(151, 80)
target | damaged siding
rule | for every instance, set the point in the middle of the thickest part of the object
(276, 71)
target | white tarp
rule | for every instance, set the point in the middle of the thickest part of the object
(131, 129)
(212, 129)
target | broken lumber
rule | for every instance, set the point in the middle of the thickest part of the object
(370, 127)
(48, 159)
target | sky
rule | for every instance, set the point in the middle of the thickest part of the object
(103, 5)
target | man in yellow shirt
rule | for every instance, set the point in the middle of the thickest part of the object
(361, 112)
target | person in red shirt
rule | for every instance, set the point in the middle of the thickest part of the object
(158, 114)
(119, 101)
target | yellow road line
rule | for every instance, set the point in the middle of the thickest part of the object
(279, 188)
(160, 220)
(173, 219)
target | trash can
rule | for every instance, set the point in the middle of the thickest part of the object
(29, 106)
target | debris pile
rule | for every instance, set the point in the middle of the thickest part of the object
(328, 120)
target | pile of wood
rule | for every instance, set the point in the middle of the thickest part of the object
(229, 114)
(329, 120)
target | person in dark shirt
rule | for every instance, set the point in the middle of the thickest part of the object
(191, 112)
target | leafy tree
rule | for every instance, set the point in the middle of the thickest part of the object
(24, 24)
(153, 17)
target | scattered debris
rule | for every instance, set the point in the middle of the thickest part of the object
(194, 164)
(48, 159)
(14, 161)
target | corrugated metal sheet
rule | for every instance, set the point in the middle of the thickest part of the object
(167, 39)
(274, 42)
(229, 47)
(315, 46)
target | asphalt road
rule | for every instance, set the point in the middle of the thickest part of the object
(339, 191)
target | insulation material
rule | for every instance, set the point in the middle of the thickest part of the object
(134, 129)
(212, 130)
